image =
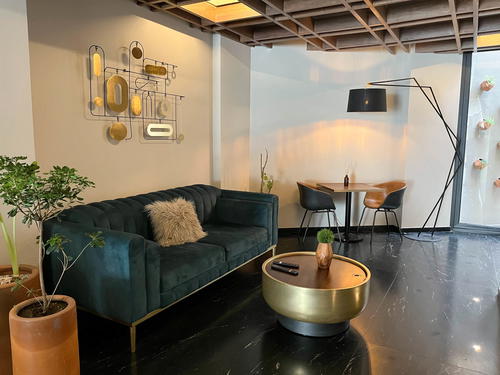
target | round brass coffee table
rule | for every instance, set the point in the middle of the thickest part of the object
(316, 302)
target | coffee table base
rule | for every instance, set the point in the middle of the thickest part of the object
(313, 329)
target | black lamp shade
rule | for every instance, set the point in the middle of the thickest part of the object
(367, 100)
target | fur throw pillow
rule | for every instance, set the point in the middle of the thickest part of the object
(174, 222)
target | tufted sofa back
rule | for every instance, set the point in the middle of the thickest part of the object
(128, 215)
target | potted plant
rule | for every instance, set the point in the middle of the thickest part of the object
(10, 275)
(486, 123)
(324, 251)
(266, 181)
(487, 84)
(43, 329)
(480, 163)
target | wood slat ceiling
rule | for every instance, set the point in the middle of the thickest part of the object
(440, 26)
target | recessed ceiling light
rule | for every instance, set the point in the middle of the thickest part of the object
(220, 3)
(221, 10)
(489, 40)
(477, 348)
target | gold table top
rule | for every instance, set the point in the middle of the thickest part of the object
(343, 273)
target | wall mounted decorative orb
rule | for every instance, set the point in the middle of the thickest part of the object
(136, 105)
(480, 163)
(497, 182)
(162, 109)
(487, 84)
(484, 124)
(96, 64)
(98, 101)
(137, 52)
(118, 131)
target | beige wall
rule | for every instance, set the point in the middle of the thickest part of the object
(298, 111)
(60, 33)
(231, 114)
(16, 126)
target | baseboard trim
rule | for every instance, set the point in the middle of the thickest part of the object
(364, 228)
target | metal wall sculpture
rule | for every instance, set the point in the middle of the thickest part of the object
(138, 94)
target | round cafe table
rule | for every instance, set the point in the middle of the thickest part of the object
(316, 302)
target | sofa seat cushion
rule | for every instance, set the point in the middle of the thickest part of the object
(182, 263)
(235, 239)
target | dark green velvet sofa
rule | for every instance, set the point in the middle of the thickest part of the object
(132, 277)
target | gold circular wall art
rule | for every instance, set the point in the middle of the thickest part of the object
(118, 131)
(137, 52)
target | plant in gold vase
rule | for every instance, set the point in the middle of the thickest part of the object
(324, 251)
(45, 325)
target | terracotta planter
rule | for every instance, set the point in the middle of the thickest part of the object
(497, 182)
(487, 86)
(46, 345)
(480, 164)
(484, 125)
(8, 299)
(324, 255)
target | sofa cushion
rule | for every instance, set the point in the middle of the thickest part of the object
(174, 222)
(235, 239)
(181, 263)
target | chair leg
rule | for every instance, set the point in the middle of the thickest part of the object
(301, 224)
(328, 216)
(397, 223)
(387, 222)
(373, 224)
(361, 218)
(307, 228)
(338, 228)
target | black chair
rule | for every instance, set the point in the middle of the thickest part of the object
(385, 201)
(316, 202)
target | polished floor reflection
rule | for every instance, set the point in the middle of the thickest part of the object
(433, 309)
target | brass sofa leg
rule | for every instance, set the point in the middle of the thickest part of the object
(133, 332)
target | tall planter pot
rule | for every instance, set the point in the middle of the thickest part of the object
(8, 299)
(47, 345)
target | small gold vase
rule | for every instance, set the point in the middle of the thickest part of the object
(324, 255)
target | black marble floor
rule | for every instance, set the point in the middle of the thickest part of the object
(433, 309)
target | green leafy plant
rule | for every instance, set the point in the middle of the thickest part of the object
(325, 236)
(10, 243)
(490, 80)
(266, 181)
(38, 197)
(490, 120)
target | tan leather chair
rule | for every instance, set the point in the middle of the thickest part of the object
(385, 201)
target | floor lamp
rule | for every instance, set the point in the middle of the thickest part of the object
(370, 99)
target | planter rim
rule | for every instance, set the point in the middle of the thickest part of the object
(33, 273)
(13, 314)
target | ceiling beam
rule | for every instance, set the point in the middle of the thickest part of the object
(475, 22)
(305, 23)
(366, 26)
(288, 25)
(380, 17)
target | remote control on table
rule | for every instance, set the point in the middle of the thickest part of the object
(285, 264)
(284, 270)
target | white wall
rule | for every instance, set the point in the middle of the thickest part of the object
(298, 111)
(60, 34)
(231, 113)
(428, 149)
(16, 126)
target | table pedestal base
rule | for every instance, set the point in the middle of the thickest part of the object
(313, 329)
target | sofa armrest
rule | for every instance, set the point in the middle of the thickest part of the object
(110, 281)
(247, 208)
